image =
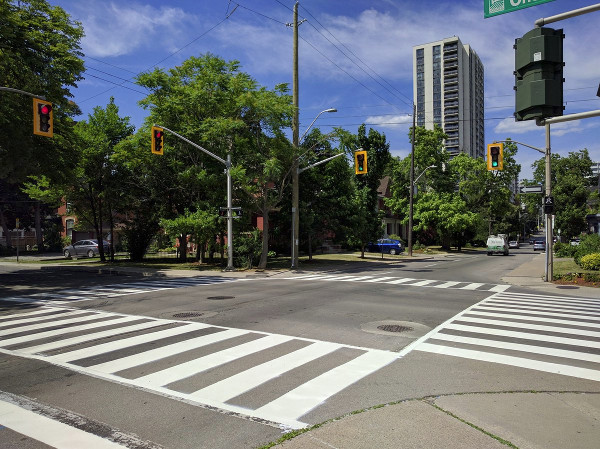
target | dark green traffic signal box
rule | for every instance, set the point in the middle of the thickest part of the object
(539, 74)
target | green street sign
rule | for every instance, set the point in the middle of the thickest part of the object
(495, 7)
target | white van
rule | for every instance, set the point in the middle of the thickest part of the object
(497, 244)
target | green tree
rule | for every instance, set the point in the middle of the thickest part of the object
(214, 104)
(571, 181)
(367, 217)
(95, 192)
(39, 53)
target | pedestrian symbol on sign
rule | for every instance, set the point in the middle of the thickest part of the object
(496, 5)
(548, 204)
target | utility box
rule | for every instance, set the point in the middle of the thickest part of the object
(539, 74)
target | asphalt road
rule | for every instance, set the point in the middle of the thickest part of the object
(221, 362)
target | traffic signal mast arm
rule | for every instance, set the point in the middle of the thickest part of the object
(521, 143)
(227, 164)
(229, 193)
(300, 170)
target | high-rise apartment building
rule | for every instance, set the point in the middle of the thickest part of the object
(448, 91)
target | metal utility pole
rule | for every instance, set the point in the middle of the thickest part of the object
(549, 230)
(296, 143)
(412, 176)
(229, 192)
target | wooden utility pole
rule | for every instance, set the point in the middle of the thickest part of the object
(296, 143)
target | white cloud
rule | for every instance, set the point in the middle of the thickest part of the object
(115, 30)
(387, 121)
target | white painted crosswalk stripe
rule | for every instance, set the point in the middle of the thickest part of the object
(240, 383)
(408, 282)
(128, 349)
(63, 297)
(555, 334)
(301, 400)
(183, 370)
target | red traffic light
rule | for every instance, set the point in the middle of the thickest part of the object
(157, 140)
(42, 118)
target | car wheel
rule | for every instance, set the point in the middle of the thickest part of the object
(90, 253)
(393, 252)
(67, 254)
(489, 254)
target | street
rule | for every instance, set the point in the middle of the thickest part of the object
(234, 361)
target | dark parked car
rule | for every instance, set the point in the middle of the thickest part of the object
(390, 246)
(539, 244)
(87, 248)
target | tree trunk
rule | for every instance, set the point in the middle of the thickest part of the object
(5, 229)
(111, 222)
(309, 245)
(38, 228)
(265, 239)
(182, 248)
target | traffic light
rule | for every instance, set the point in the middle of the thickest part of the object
(360, 162)
(158, 137)
(495, 155)
(42, 118)
(539, 74)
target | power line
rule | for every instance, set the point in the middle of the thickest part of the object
(156, 64)
(358, 58)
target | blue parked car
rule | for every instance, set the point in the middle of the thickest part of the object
(390, 246)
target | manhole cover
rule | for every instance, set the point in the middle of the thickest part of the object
(188, 315)
(221, 297)
(394, 328)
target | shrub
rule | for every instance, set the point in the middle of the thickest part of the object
(590, 261)
(588, 245)
(564, 249)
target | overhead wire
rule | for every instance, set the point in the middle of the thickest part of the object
(409, 103)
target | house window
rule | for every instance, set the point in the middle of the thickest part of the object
(70, 224)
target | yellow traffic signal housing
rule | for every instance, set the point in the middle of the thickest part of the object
(360, 162)
(158, 138)
(43, 119)
(495, 156)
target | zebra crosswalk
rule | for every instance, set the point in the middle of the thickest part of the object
(409, 282)
(179, 358)
(64, 297)
(555, 334)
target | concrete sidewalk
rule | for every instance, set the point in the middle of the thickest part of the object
(536, 420)
(466, 421)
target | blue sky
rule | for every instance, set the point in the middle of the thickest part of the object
(355, 55)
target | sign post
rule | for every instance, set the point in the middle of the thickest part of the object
(496, 7)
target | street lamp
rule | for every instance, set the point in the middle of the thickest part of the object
(296, 191)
